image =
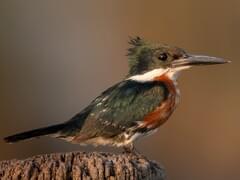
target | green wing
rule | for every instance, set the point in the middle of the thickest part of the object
(132, 101)
(121, 107)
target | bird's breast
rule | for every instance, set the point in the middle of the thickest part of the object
(161, 113)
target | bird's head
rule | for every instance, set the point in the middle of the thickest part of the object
(148, 61)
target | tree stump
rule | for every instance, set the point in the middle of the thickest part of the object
(80, 165)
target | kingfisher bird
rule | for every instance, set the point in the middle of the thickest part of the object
(133, 107)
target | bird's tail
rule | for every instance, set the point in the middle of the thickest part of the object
(35, 133)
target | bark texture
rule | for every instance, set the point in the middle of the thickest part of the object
(80, 165)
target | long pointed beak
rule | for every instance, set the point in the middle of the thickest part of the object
(192, 60)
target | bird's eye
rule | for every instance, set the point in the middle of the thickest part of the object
(163, 57)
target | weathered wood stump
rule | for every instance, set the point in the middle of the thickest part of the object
(80, 165)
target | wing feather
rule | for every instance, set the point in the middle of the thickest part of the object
(123, 106)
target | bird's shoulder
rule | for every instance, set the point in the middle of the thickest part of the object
(128, 101)
(127, 91)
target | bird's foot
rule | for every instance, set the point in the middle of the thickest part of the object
(130, 149)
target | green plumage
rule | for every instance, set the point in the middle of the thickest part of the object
(117, 109)
(144, 56)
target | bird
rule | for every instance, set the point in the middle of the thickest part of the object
(134, 107)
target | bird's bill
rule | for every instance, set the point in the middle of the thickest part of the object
(193, 60)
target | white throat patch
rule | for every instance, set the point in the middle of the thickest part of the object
(172, 73)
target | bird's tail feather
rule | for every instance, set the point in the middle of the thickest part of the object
(34, 133)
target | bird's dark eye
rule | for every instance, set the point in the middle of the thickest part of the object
(163, 57)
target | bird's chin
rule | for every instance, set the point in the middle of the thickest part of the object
(174, 72)
(180, 68)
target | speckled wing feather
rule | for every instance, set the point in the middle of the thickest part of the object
(118, 108)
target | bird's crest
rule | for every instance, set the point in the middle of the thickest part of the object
(136, 43)
(138, 54)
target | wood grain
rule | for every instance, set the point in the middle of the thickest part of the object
(80, 165)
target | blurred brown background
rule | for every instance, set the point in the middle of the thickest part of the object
(56, 56)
